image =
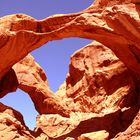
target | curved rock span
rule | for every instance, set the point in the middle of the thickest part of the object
(100, 98)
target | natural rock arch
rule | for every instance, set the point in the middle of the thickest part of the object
(110, 23)
(102, 23)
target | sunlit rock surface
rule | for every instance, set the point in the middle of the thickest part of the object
(12, 125)
(33, 80)
(100, 98)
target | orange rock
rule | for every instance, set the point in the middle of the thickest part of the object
(12, 125)
(8, 83)
(94, 82)
(59, 128)
(32, 80)
(132, 132)
(109, 22)
(101, 91)
(99, 135)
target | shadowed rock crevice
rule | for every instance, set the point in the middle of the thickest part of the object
(8, 83)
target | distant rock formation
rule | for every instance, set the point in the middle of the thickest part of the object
(100, 98)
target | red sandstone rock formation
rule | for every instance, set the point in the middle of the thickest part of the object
(110, 22)
(33, 80)
(100, 97)
(12, 125)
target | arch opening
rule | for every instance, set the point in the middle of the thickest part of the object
(21, 102)
(54, 58)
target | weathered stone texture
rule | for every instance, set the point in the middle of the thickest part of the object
(12, 126)
(100, 98)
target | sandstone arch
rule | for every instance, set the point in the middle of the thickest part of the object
(102, 23)
(109, 22)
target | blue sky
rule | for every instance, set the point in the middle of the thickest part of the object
(53, 57)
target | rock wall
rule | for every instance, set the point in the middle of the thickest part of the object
(100, 98)
(12, 125)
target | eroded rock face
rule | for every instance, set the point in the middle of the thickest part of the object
(100, 97)
(12, 126)
(99, 86)
(102, 78)
(33, 81)
(8, 83)
(95, 83)
(102, 135)
(132, 132)
(112, 23)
